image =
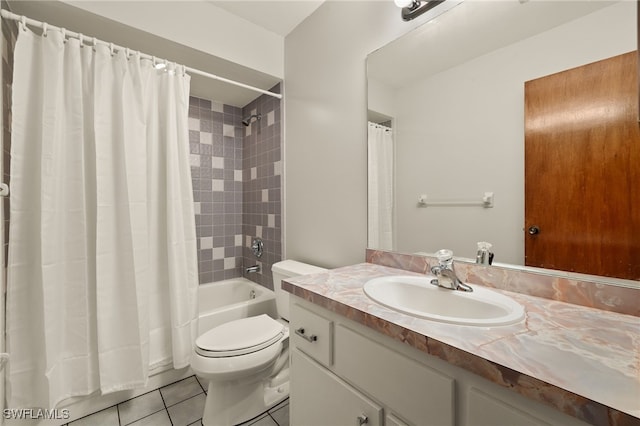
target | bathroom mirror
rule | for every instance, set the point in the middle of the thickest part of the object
(451, 95)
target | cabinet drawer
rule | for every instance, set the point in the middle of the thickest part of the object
(422, 396)
(312, 334)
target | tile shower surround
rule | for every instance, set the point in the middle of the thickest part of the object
(262, 193)
(235, 170)
(215, 144)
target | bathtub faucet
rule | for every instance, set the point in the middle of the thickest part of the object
(252, 269)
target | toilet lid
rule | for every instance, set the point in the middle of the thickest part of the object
(240, 337)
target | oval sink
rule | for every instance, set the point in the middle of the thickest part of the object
(416, 296)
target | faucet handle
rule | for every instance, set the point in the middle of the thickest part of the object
(445, 257)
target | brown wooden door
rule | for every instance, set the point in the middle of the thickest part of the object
(582, 169)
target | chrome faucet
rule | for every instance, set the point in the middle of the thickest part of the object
(252, 269)
(445, 273)
(484, 255)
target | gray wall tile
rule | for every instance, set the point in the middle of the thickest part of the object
(239, 208)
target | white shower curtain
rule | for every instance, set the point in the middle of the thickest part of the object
(102, 271)
(381, 160)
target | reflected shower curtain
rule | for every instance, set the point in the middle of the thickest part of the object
(380, 181)
(102, 270)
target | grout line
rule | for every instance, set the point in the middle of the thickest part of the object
(199, 383)
(99, 411)
(149, 415)
(165, 405)
(131, 399)
(279, 405)
(255, 419)
(274, 420)
(186, 399)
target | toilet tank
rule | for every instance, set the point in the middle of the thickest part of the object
(282, 271)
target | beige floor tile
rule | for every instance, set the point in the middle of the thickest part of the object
(204, 383)
(108, 417)
(186, 412)
(139, 407)
(180, 391)
(264, 421)
(161, 418)
(281, 415)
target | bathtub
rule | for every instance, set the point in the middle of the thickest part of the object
(232, 299)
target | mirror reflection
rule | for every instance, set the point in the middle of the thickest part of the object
(447, 125)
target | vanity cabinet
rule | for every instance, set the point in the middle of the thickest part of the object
(343, 374)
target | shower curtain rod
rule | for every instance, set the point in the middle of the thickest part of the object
(21, 18)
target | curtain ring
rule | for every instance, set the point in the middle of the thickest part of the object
(64, 34)
(127, 53)
(80, 37)
(111, 49)
(45, 27)
(95, 43)
(23, 23)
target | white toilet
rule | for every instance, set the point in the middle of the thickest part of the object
(247, 361)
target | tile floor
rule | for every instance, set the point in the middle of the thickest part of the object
(178, 404)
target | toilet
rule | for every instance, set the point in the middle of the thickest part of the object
(247, 361)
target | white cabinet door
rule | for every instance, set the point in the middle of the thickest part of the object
(421, 395)
(319, 398)
(392, 420)
(485, 410)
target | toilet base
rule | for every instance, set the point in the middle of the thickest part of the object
(232, 402)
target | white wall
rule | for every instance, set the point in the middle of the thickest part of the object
(461, 133)
(200, 25)
(325, 129)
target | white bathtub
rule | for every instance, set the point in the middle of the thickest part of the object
(232, 299)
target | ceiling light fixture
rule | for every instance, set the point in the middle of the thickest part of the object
(411, 9)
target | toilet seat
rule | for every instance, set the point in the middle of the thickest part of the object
(240, 337)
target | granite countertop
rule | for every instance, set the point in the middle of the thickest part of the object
(581, 360)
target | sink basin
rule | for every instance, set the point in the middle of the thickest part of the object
(416, 296)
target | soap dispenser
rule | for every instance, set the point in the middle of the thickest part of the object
(484, 255)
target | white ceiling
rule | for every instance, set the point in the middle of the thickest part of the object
(280, 17)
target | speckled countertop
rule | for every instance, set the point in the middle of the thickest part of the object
(581, 360)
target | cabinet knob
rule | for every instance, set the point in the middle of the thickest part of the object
(362, 420)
